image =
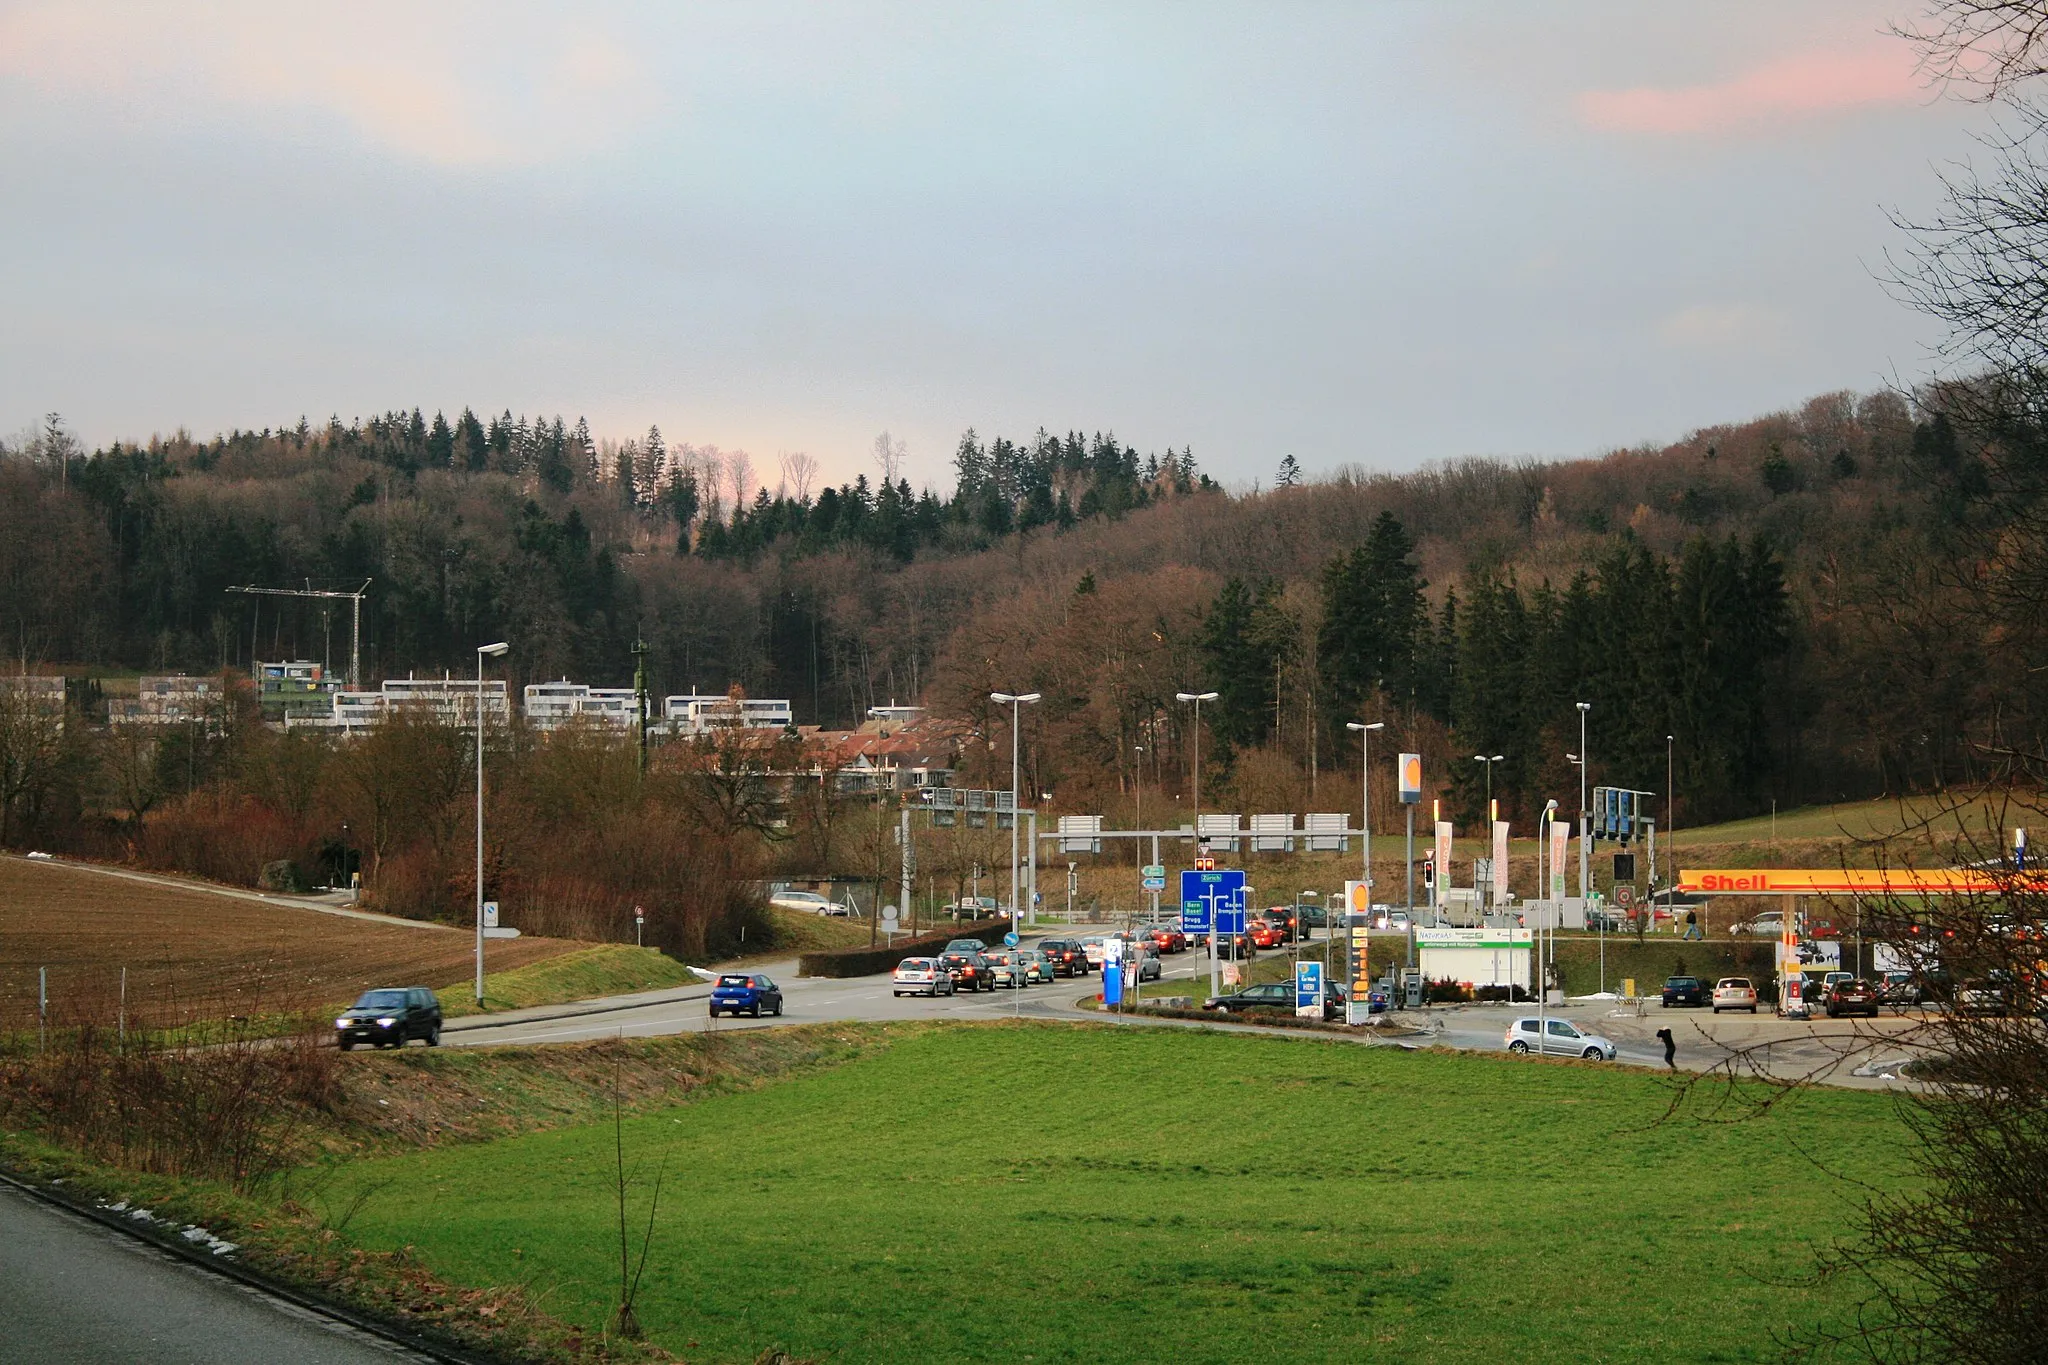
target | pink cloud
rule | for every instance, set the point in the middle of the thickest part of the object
(1813, 83)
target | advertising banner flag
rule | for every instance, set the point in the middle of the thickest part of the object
(1560, 848)
(1500, 862)
(1443, 859)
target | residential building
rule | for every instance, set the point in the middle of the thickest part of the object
(174, 699)
(294, 690)
(550, 705)
(697, 715)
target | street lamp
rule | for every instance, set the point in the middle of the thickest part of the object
(1016, 701)
(1215, 970)
(1138, 782)
(1489, 760)
(1670, 836)
(1365, 796)
(1584, 840)
(493, 651)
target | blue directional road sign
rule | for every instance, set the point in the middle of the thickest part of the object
(1010, 940)
(1229, 921)
(1204, 895)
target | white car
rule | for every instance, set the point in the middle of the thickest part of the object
(1735, 993)
(1556, 1038)
(1770, 924)
(921, 976)
(1091, 948)
(808, 902)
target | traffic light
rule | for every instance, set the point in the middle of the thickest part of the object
(1429, 873)
(1205, 864)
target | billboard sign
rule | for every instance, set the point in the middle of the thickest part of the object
(1308, 989)
(1500, 862)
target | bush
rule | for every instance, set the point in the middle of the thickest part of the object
(868, 961)
(1446, 992)
(1519, 994)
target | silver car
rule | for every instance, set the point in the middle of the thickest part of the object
(921, 976)
(1557, 1038)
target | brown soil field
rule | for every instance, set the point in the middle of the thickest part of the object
(198, 954)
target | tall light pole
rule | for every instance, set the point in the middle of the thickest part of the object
(1016, 701)
(493, 651)
(1489, 760)
(1365, 795)
(1197, 698)
(1138, 782)
(1584, 832)
(1215, 972)
(1671, 832)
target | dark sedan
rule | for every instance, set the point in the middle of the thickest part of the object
(1852, 997)
(1275, 995)
(971, 971)
(1687, 990)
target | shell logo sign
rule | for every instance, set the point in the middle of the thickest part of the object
(1411, 779)
(1357, 898)
(1853, 881)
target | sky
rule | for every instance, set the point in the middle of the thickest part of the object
(1380, 234)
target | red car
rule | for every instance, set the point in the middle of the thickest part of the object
(1169, 938)
(1265, 935)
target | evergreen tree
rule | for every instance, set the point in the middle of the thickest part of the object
(1375, 624)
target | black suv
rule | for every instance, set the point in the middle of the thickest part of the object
(1687, 990)
(1066, 956)
(971, 971)
(387, 1018)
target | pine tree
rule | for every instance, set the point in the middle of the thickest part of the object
(1290, 473)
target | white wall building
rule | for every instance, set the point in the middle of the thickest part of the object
(549, 705)
(697, 715)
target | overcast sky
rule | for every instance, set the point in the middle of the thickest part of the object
(1373, 232)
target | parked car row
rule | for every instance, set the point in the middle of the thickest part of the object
(968, 964)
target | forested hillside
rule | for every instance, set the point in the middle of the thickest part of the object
(1777, 595)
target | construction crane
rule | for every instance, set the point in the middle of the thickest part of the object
(355, 630)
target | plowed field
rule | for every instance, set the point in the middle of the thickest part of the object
(198, 954)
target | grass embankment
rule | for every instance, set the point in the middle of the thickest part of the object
(608, 969)
(1059, 1193)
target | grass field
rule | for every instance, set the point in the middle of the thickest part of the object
(193, 954)
(605, 969)
(1052, 1193)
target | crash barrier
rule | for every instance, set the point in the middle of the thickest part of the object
(868, 961)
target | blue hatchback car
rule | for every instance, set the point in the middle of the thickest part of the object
(745, 993)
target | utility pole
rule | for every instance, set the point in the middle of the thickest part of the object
(1585, 761)
(641, 700)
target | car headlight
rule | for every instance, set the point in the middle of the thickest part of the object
(386, 1022)
(344, 1023)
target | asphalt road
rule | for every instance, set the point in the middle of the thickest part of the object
(1795, 1048)
(75, 1293)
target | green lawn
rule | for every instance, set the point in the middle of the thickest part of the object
(609, 969)
(1053, 1193)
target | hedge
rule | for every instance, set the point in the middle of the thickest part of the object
(868, 961)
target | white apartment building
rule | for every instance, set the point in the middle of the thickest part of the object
(697, 715)
(451, 699)
(550, 705)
